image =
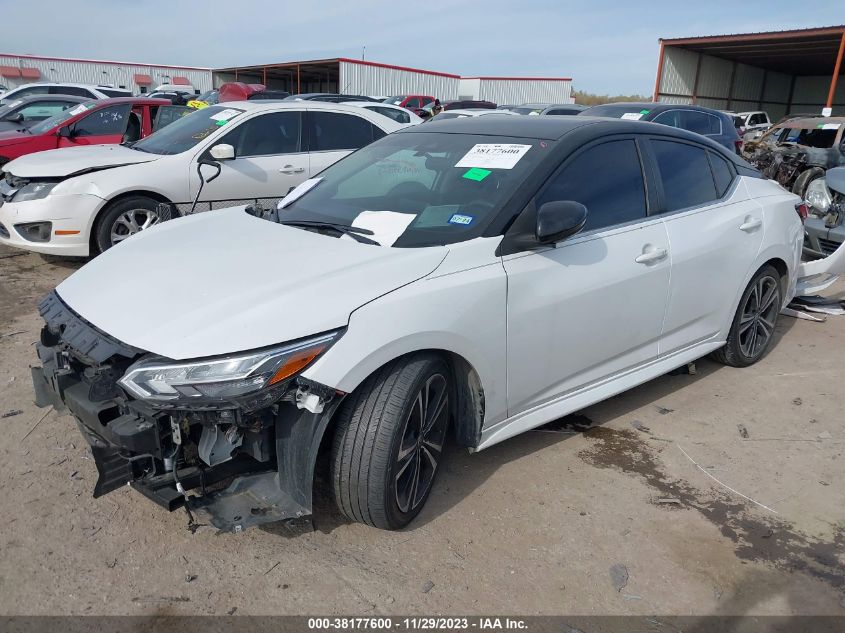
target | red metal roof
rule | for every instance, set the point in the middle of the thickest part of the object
(391, 66)
(101, 61)
(30, 73)
(10, 71)
(143, 80)
(521, 78)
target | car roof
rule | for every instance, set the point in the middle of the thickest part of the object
(134, 100)
(811, 122)
(57, 97)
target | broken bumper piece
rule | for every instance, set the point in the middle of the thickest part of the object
(263, 461)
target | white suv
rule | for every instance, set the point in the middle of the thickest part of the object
(82, 200)
(77, 90)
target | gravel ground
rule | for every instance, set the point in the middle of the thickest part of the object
(721, 492)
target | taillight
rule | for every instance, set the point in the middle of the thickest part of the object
(802, 210)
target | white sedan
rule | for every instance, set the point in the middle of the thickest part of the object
(469, 279)
(83, 200)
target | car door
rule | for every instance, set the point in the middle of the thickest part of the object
(333, 135)
(593, 307)
(715, 232)
(269, 160)
(99, 126)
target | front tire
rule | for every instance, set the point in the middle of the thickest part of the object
(388, 443)
(754, 323)
(124, 218)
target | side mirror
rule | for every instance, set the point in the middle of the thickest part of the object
(64, 132)
(223, 151)
(558, 220)
(16, 118)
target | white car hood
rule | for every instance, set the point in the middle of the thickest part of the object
(225, 281)
(60, 163)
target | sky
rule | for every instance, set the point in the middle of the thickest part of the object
(607, 47)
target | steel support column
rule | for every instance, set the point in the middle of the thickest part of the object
(695, 81)
(731, 87)
(659, 73)
(836, 69)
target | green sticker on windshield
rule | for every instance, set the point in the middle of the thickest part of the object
(477, 174)
(222, 123)
(644, 112)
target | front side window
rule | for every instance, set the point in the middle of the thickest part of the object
(605, 178)
(685, 174)
(184, 134)
(425, 184)
(32, 90)
(266, 135)
(105, 121)
(72, 90)
(61, 118)
(330, 131)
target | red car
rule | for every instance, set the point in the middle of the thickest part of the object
(99, 122)
(414, 103)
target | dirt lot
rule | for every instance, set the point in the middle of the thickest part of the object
(615, 511)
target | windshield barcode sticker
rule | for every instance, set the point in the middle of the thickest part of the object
(633, 116)
(225, 115)
(493, 156)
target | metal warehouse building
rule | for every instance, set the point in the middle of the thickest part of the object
(517, 90)
(343, 75)
(780, 72)
(16, 70)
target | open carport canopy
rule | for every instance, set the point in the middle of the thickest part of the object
(805, 53)
(295, 77)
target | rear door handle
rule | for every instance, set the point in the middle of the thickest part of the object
(750, 225)
(652, 256)
(290, 169)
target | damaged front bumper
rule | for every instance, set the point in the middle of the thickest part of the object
(234, 469)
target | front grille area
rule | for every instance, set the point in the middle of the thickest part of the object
(828, 246)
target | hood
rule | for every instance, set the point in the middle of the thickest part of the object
(225, 281)
(69, 161)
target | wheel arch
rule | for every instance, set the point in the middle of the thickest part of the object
(469, 409)
(92, 238)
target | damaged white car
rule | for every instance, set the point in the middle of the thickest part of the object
(471, 278)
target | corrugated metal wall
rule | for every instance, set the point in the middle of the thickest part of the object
(366, 79)
(517, 91)
(85, 72)
(753, 87)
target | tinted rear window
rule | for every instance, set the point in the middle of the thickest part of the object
(685, 173)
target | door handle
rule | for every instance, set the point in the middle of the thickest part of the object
(290, 169)
(652, 256)
(751, 224)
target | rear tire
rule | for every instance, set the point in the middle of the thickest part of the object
(804, 179)
(754, 323)
(388, 443)
(124, 218)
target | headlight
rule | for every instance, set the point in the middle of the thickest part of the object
(818, 195)
(34, 191)
(236, 378)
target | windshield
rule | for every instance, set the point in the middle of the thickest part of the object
(394, 100)
(822, 136)
(182, 135)
(59, 119)
(421, 189)
(211, 97)
(617, 111)
(528, 110)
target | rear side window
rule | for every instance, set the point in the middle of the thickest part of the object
(397, 115)
(33, 90)
(723, 175)
(105, 121)
(335, 131)
(692, 120)
(266, 135)
(685, 174)
(72, 90)
(607, 179)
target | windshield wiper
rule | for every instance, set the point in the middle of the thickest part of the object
(355, 232)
